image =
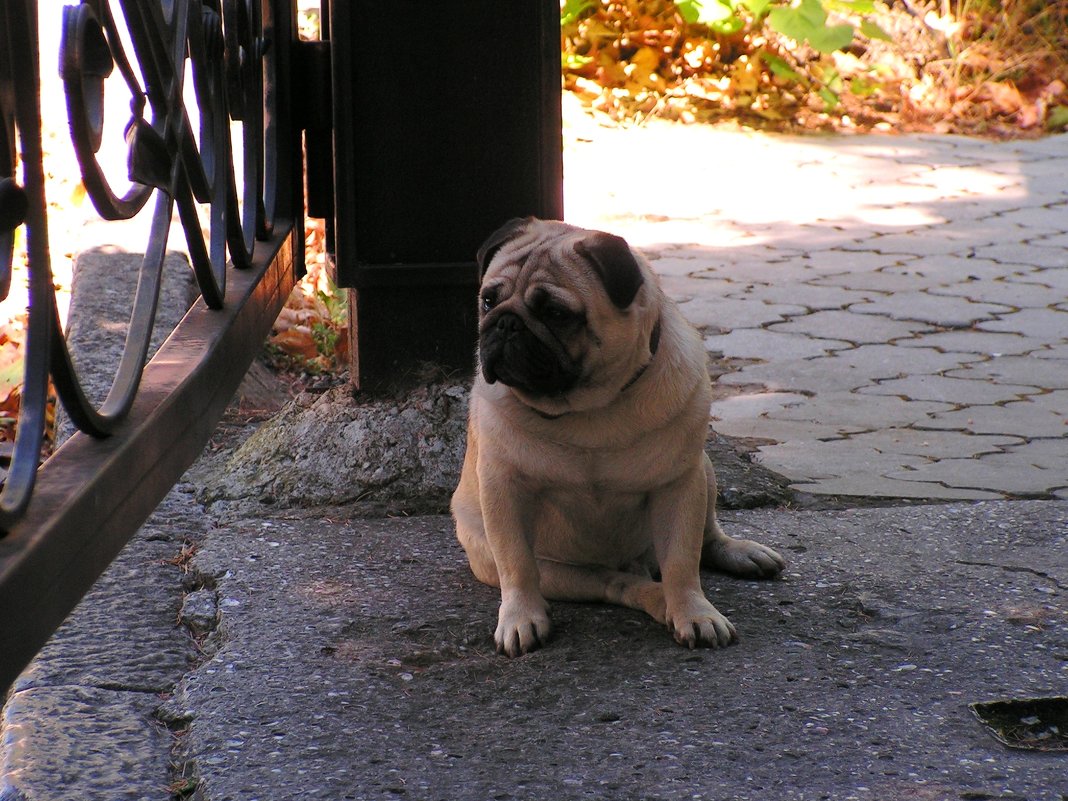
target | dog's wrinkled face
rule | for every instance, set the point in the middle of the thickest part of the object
(561, 310)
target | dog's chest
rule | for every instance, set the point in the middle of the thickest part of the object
(590, 524)
(596, 511)
(632, 467)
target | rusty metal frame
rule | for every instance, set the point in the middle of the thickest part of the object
(62, 524)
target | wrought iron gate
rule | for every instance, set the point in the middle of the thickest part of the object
(411, 166)
(62, 524)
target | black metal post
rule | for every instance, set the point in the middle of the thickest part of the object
(446, 123)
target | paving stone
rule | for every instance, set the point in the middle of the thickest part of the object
(1025, 418)
(885, 281)
(846, 370)
(1006, 293)
(998, 472)
(1046, 184)
(1055, 352)
(1050, 454)
(969, 231)
(683, 288)
(813, 240)
(871, 486)
(1047, 147)
(807, 461)
(951, 182)
(1046, 218)
(952, 270)
(732, 264)
(754, 405)
(889, 218)
(799, 375)
(730, 235)
(816, 298)
(855, 262)
(849, 410)
(926, 242)
(104, 284)
(776, 430)
(966, 150)
(1055, 401)
(1034, 371)
(1057, 240)
(970, 210)
(881, 362)
(786, 272)
(75, 743)
(1053, 277)
(900, 454)
(725, 314)
(715, 286)
(1049, 325)
(650, 231)
(948, 389)
(856, 328)
(923, 307)
(117, 638)
(677, 267)
(947, 444)
(1019, 253)
(750, 343)
(977, 342)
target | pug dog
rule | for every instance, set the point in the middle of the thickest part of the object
(585, 476)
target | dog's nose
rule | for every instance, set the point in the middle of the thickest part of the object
(509, 324)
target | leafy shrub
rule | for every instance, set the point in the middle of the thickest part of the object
(974, 65)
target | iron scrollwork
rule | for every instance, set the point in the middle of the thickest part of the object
(226, 44)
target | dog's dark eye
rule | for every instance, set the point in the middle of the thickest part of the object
(489, 300)
(557, 314)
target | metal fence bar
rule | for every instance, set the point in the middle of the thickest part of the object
(93, 494)
(62, 524)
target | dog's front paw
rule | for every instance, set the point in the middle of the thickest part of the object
(742, 558)
(700, 624)
(522, 626)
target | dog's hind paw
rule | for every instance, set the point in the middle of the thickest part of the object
(743, 558)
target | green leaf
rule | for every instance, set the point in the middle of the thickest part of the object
(863, 87)
(808, 23)
(689, 9)
(780, 67)
(10, 379)
(831, 38)
(573, 9)
(832, 79)
(830, 99)
(1058, 118)
(873, 31)
(574, 61)
(758, 8)
(719, 15)
(728, 25)
(850, 6)
(714, 12)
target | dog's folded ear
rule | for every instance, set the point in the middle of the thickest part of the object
(510, 230)
(614, 263)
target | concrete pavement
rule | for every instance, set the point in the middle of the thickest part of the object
(885, 316)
